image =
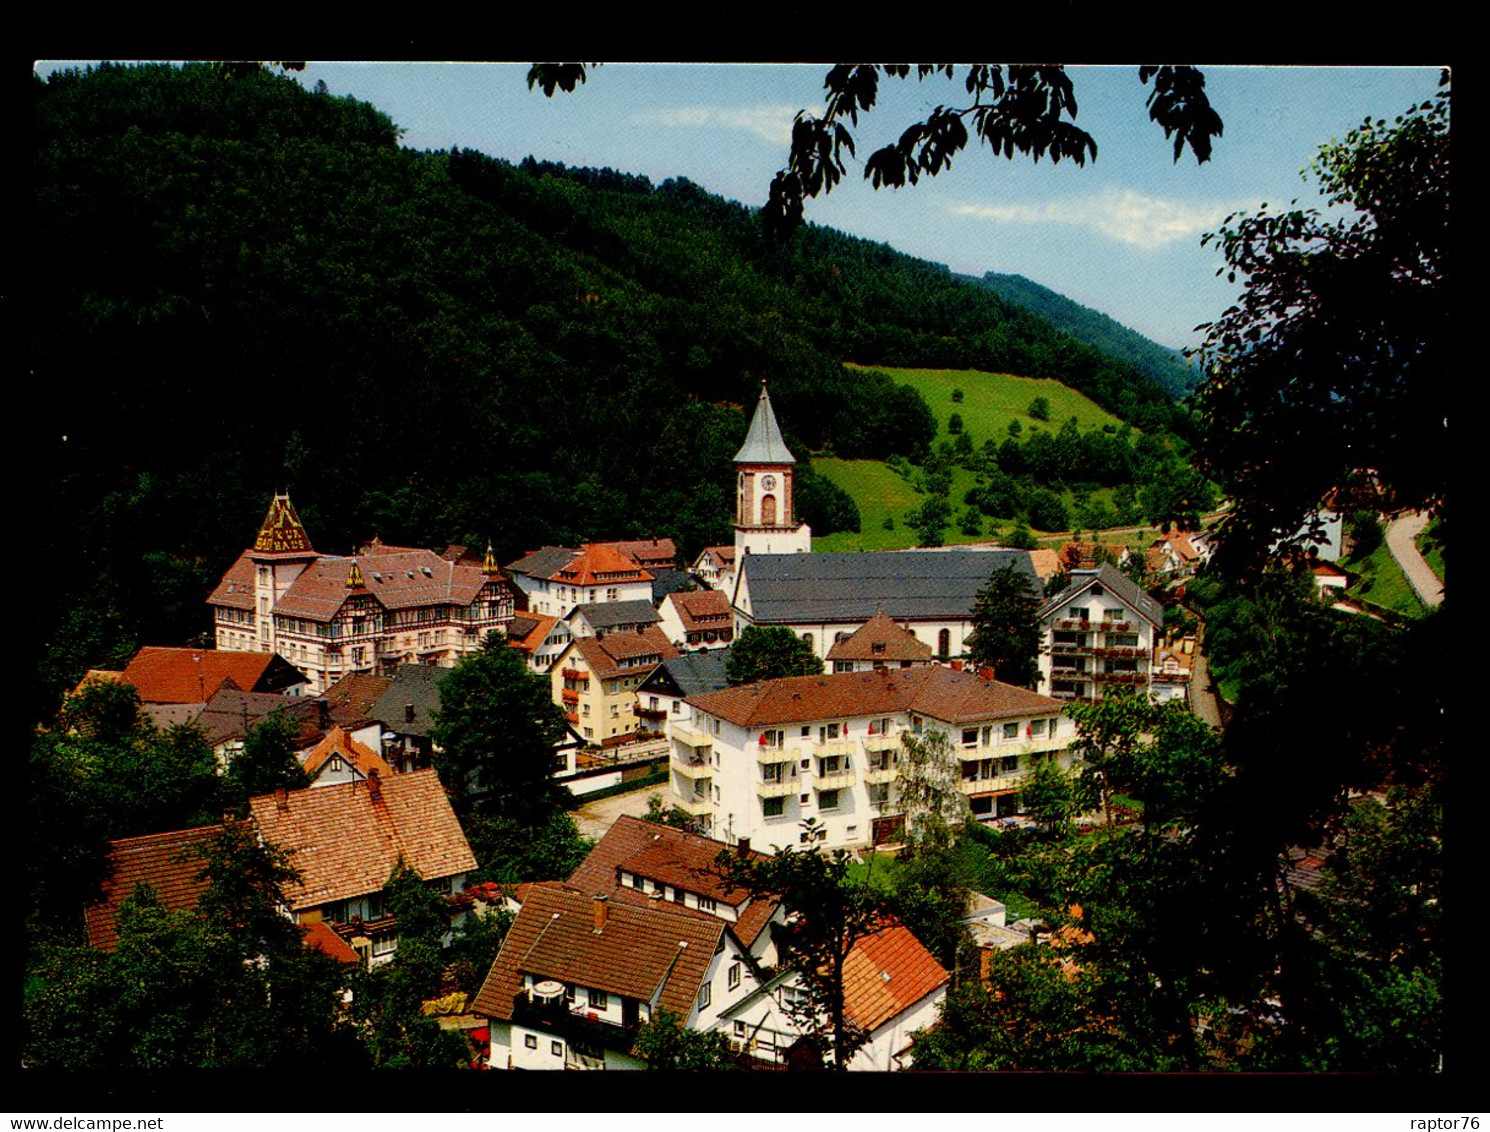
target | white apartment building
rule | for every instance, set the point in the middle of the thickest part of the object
(756, 761)
(1098, 634)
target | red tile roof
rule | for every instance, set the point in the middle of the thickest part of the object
(540, 626)
(703, 609)
(648, 552)
(349, 702)
(723, 557)
(364, 760)
(320, 937)
(398, 577)
(605, 654)
(192, 676)
(887, 972)
(941, 693)
(880, 638)
(346, 839)
(171, 863)
(641, 952)
(236, 589)
(599, 564)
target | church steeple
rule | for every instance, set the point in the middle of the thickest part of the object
(765, 518)
(281, 532)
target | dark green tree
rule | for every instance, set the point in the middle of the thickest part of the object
(768, 653)
(1039, 409)
(499, 727)
(1006, 628)
(267, 762)
(665, 1044)
(930, 520)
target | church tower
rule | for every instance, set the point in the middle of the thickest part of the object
(765, 521)
(280, 553)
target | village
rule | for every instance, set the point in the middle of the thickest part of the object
(633, 648)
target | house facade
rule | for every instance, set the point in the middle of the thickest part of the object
(701, 619)
(332, 615)
(878, 643)
(595, 681)
(755, 761)
(555, 579)
(1098, 634)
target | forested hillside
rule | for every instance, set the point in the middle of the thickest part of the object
(1166, 367)
(246, 286)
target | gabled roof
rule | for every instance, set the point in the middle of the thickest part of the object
(605, 654)
(191, 676)
(648, 552)
(880, 638)
(319, 937)
(399, 577)
(941, 693)
(542, 563)
(231, 711)
(609, 614)
(909, 585)
(527, 631)
(691, 674)
(362, 759)
(346, 839)
(412, 684)
(281, 532)
(723, 557)
(350, 701)
(170, 863)
(764, 443)
(1117, 583)
(651, 952)
(702, 610)
(666, 582)
(599, 564)
(887, 972)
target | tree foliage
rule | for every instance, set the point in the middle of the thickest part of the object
(767, 653)
(1006, 627)
(499, 727)
(667, 1045)
(1339, 350)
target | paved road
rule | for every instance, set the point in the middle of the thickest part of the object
(595, 818)
(1203, 703)
(1400, 535)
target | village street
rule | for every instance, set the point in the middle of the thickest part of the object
(1400, 535)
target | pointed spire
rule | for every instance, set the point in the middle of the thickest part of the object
(281, 531)
(489, 564)
(354, 576)
(764, 443)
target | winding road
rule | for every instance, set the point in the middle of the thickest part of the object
(1400, 535)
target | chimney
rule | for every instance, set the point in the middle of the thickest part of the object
(282, 800)
(742, 847)
(408, 713)
(599, 907)
(323, 713)
(374, 786)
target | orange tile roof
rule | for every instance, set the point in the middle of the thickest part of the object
(703, 609)
(1046, 563)
(192, 676)
(647, 552)
(941, 693)
(604, 654)
(363, 759)
(346, 839)
(350, 700)
(398, 577)
(880, 638)
(541, 625)
(642, 952)
(171, 863)
(599, 564)
(236, 589)
(320, 937)
(721, 556)
(887, 972)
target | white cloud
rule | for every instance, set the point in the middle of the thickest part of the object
(771, 123)
(1120, 214)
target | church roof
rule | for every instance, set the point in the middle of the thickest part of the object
(880, 638)
(763, 443)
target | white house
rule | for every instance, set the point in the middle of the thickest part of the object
(754, 761)
(1097, 634)
(701, 619)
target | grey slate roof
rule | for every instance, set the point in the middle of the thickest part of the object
(910, 585)
(609, 614)
(1115, 580)
(417, 684)
(666, 582)
(764, 443)
(543, 563)
(691, 674)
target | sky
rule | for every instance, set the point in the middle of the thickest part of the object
(1120, 234)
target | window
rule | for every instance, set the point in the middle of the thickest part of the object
(706, 904)
(530, 1041)
(1038, 727)
(944, 643)
(556, 1048)
(827, 800)
(771, 772)
(1011, 731)
(773, 807)
(739, 1027)
(385, 945)
(773, 738)
(832, 764)
(969, 736)
(733, 980)
(705, 996)
(828, 733)
(599, 999)
(1009, 764)
(1076, 613)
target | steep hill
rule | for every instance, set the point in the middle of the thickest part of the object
(1165, 367)
(248, 286)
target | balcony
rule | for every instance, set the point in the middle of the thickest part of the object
(656, 713)
(1070, 650)
(579, 1029)
(1122, 677)
(988, 785)
(691, 736)
(1121, 650)
(569, 696)
(572, 716)
(1116, 626)
(835, 747)
(775, 789)
(698, 805)
(1012, 747)
(882, 743)
(1075, 624)
(693, 768)
(835, 781)
(574, 674)
(767, 755)
(876, 776)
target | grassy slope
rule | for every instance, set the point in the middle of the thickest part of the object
(990, 401)
(1383, 583)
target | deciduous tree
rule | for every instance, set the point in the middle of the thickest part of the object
(1006, 629)
(766, 653)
